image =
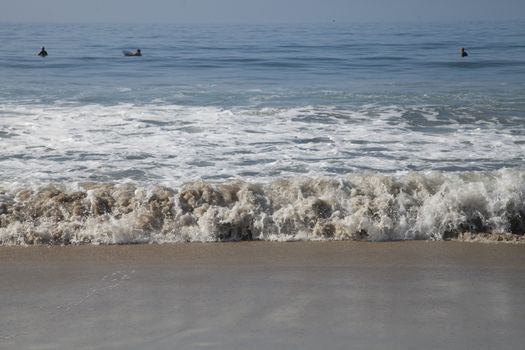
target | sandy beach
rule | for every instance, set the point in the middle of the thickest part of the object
(260, 295)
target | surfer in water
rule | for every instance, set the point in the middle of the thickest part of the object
(43, 52)
(463, 52)
(136, 53)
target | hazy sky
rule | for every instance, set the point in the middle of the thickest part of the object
(260, 11)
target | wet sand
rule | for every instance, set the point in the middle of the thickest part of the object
(259, 295)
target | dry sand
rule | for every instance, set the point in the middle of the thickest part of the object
(259, 295)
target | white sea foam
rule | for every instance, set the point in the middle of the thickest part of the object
(173, 144)
(364, 206)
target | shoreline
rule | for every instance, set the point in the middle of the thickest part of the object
(262, 295)
(191, 250)
(266, 252)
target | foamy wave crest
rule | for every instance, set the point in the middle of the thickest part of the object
(375, 207)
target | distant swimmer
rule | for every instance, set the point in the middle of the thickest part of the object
(43, 52)
(136, 53)
(463, 52)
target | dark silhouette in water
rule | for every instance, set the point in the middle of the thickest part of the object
(463, 52)
(43, 52)
(136, 53)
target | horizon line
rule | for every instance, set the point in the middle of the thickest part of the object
(335, 22)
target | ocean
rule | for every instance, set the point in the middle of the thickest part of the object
(261, 132)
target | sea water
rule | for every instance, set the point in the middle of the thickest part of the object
(274, 132)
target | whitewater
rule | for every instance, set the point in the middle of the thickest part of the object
(433, 205)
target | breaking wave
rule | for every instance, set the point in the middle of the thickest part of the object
(362, 206)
